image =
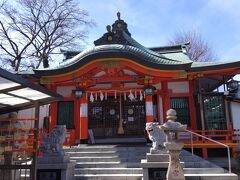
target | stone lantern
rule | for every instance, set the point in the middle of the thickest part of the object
(171, 128)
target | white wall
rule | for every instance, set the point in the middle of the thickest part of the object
(235, 113)
(30, 113)
(65, 91)
(179, 87)
(161, 110)
(158, 86)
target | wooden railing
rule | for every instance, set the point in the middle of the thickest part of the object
(195, 140)
(224, 136)
(213, 141)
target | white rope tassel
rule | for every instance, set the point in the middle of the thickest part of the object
(91, 97)
(141, 96)
(135, 95)
(115, 94)
(96, 96)
(125, 96)
(101, 96)
(106, 95)
(131, 96)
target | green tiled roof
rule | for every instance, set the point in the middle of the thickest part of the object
(206, 66)
(118, 43)
(148, 56)
(177, 56)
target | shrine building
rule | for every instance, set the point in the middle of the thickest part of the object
(118, 85)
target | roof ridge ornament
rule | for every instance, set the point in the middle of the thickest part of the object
(114, 34)
(109, 28)
(119, 15)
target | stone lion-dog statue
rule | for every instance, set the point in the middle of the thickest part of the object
(156, 135)
(53, 142)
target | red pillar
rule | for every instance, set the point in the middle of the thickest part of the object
(205, 153)
(165, 99)
(77, 119)
(53, 116)
(149, 108)
(53, 111)
(83, 120)
(192, 106)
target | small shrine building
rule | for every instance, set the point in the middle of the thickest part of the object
(118, 85)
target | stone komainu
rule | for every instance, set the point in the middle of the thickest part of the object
(156, 135)
(53, 142)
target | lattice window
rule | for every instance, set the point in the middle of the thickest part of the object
(66, 114)
(214, 113)
(181, 105)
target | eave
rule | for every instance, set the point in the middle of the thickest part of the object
(131, 53)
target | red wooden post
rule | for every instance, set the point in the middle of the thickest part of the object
(53, 116)
(192, 106)
(83, 120)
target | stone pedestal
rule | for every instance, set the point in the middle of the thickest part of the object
(171, 129)
(155, 165)
(175, 171)
(55, 167)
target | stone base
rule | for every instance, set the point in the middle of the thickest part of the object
(158, 151)
(155, 169)
(156, 164)
(53, 159)
(55, 167)
(157, 157)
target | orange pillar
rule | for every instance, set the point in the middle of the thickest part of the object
(149, 108)
(205, 153)
(83, 120)
(192, 106)
(53, 110)
(53, 116)
(77, 119)
(165, 99)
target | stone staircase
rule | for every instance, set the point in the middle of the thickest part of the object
(108, 161)
(119, 162)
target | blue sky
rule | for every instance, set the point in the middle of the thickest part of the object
(153, 22)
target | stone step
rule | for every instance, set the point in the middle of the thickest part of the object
(108, 170)
(123, 162)
(114, 164)
(103, 148)
(217, 176)
(109, 176)
(107, 159)
(98, 159)
(203, 170)
(223, 162)
(120, 150)
(199, 164)
(129, 140)
(190, 158)
(92, 154)
(124, 154)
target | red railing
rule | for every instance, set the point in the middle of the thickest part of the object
(224, 136)
(14, 138)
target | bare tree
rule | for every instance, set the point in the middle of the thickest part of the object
(198, 48)
(33, 29)
(2, 3)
